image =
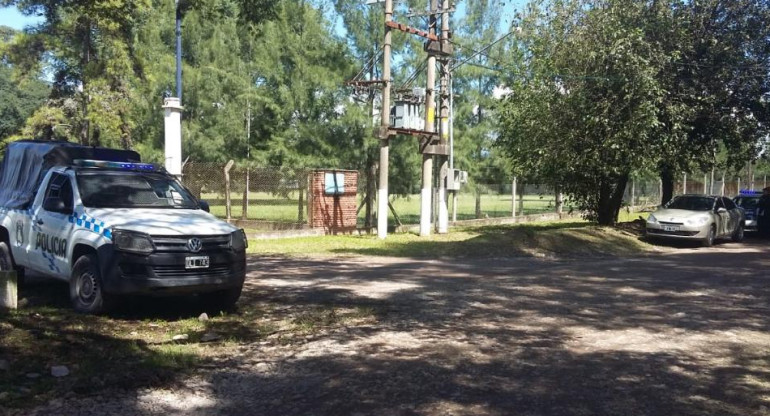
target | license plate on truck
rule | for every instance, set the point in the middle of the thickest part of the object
(196, 262)
(671, 228)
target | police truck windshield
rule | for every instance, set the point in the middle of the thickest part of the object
(110, 189)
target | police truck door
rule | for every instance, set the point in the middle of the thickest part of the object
(51, 227)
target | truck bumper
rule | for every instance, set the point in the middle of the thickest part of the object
(165, 273)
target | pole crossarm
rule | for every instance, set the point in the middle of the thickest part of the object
(366, 82)
(408, 29)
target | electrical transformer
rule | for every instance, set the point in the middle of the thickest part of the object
(455, 178)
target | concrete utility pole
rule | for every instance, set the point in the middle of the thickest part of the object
(452, 143)
(382, 191)
(430, 115)
(172, 110)
(443, 209)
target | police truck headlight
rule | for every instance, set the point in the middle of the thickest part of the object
(238, 240)
(132, 241)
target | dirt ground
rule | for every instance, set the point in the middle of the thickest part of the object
(685, 332)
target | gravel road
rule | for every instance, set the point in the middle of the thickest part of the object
(679, 333)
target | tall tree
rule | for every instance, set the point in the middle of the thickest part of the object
(584, 111)
(19, 98)
(88, 44)
(719, 61)
(479, 51)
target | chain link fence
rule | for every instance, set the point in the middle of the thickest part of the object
(269, 197)
(276, 197)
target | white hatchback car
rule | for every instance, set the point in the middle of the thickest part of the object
(702, 218)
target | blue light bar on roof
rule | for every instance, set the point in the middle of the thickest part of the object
(86, 163)
(748, 192)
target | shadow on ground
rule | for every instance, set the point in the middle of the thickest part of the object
(684, 333)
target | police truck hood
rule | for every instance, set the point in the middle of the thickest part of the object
(165, 221)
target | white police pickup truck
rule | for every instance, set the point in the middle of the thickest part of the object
(110, 226)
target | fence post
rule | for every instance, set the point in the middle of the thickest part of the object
(478, 201)
(559, 199)
(660, 190)
(513, 198)
(684, 184)
(228, 206)
(705, 184)
(245, 208)
(301, 202)
(454, 206)
(739, 184)
(723, 184)
(8, 290)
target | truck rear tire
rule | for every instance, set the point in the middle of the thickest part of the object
(221, 300)
(6, 261)
(86, 291)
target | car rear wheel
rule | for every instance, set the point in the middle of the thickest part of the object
(738, 234)
(708, 241)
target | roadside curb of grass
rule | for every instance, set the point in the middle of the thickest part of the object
(556, 239)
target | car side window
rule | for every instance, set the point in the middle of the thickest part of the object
(720, 203)
(60, 187)
(729, 204)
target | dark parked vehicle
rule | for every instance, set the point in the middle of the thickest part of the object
(749, 201)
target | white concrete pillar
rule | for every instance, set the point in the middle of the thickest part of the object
(172, 110)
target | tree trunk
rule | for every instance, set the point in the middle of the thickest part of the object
(667, 182)
(84, 60)
(610, 199)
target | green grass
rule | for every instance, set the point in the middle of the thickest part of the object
(562, 238)
(134, 346)
(267, 207)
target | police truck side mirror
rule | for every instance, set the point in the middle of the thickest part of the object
(204, 206)
(55, 205)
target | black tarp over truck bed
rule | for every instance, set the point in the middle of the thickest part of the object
(27, 161)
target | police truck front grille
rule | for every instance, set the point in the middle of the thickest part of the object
(216, 270)
(179, 244)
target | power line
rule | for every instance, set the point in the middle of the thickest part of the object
(482, 50)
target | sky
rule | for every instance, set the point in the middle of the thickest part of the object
(10, 16)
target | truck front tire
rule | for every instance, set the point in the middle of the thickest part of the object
(221, 300)
(86, 290)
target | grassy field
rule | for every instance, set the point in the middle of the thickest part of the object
(561, 238)
(267, 207)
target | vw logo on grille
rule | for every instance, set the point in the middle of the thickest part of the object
(194, 245)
